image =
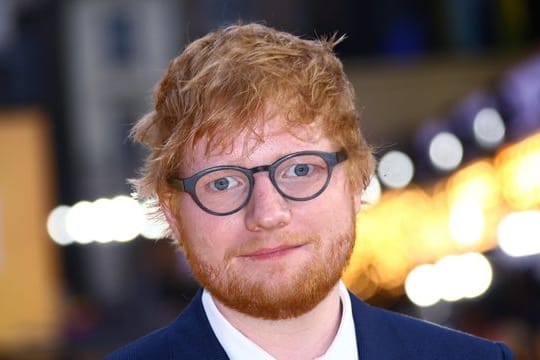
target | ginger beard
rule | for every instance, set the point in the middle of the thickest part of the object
(280, 292)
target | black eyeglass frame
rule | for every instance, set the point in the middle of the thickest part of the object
(188, 184)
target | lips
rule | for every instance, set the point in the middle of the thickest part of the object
(269, 253)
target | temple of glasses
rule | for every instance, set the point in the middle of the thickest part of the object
(224, 190)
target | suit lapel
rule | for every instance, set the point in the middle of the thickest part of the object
(375, 338)
(191, 336)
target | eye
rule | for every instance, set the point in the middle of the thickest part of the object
(223, 183)
(299, 170)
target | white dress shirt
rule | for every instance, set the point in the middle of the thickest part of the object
(239, 347)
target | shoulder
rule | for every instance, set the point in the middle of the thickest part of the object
(188, 337)
(417, 338)
(152, 346)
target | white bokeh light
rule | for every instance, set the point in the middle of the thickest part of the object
(129, 219)
(395, 169)
(477, 274)
(445, 151)
(452, 278)
(421, 286)
(372, 193)
(449, 273)
(104, 218)
(488, 128)
(56, 225)
(153, 229)
(79, 222)
(519, 233)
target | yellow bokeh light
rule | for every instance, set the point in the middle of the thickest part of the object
(475, 183)
(519, 173)
(461, 214)
(466, 223)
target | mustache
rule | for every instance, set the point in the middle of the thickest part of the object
(289, 239)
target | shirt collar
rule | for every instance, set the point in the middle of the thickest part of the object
(344, 344)
(238, 346)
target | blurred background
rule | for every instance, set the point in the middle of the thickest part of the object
(450, 98)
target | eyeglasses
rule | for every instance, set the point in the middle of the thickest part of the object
(224, 190)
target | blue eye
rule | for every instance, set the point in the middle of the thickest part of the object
(299, 170)
(223, 183)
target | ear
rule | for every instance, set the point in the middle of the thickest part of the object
(357, 198)
(171, 218)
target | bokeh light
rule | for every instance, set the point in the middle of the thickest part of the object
(477, 274)
(56, 225)
(519, 173)
(119, 219)
(372, 193)
(395, 169)
(519, 233)
(488, 128)
(452, 278)
(466, 223)
(80, 222)
(445, 151)
(421, 285)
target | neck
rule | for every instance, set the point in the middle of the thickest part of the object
(306, 336)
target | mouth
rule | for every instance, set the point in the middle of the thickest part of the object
(272, 253)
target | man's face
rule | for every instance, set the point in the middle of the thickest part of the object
(275, 258)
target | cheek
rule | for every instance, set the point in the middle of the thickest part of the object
(326, 217)
(208, 236)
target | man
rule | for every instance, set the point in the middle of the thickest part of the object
(258, 165)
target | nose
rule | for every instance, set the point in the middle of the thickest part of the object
(266, 209)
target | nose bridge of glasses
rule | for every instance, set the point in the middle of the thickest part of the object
(261, 168)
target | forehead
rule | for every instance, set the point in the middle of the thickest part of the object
(269, 140)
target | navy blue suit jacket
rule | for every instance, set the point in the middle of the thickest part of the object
(380, 335)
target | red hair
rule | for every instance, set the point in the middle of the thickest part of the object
(219, 84)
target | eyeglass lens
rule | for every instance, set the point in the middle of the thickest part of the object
(299, 177)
